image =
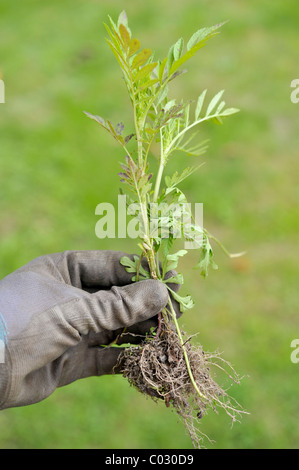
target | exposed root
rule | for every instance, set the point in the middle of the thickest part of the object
(157, 368)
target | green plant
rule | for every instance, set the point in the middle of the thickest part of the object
(166, 365)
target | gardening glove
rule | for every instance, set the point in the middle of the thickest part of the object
(57, 313)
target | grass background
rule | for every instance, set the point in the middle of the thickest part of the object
(57, 165)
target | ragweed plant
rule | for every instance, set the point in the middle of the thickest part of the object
(166, 365)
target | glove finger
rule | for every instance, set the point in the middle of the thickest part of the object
(82, 361)
(101, 269)
(116, 308)
(103, 361)
(94, 269)
(136, 333)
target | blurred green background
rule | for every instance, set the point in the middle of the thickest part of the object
(57, 165)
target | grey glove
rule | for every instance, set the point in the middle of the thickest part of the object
(57, 310)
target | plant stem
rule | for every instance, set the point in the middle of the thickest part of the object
(173, 315)
(147, 152)
(160, 171)
(152, 262)
(158, 181)
(230, 255)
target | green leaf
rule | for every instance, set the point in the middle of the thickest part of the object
(199, 104)
(196, 42)
(229, 111)
(178, 49)
(142, 181)
(178, 279)
(115, 38)
(176, 255)
(147, 85)
(206, 260)
(144, 71)
(118, 56)
(177, 195)
(203, 33)
(141, 58)
(164, 248)
(196, 150)
(122, 19)
(134, 47)
(116, 133)
(128, 264)
(186, 302)
(161, 69)
(125, 35)
(132, 266)
(98, 119)
(214, 102)
(170, 104)
(170, 59)
(174, 259)
(111, 128)
(162, 95)
(176, 178)
(185, 57)
(113, 25)
(220, 107)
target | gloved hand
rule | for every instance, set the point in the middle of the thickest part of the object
(58, 309)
